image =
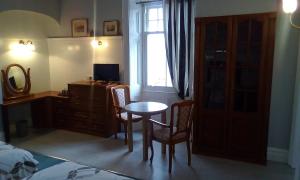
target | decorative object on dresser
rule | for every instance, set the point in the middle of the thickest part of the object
(233, 74)
(80, 27)
(16, 82)
(111, 28)
(170, 134)
(121, 97)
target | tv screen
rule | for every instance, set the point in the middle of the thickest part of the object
(106, 72)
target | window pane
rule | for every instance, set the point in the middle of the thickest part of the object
(154, 22)
(152, 14)
(154, 26)
(157, 69)
(160, 13)
(160, 25)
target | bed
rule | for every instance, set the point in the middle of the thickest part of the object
(18, 164)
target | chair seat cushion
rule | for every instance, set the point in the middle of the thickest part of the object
(163, 134)
(124, 116)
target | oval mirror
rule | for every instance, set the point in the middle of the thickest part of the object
(16, 78)
(16, 81)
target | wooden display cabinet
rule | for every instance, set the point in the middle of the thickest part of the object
(233, 74)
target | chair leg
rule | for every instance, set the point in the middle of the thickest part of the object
(170, 157)
(188, 151)
(152, 150)
(116, 135)
(125, 131)
(173, 150)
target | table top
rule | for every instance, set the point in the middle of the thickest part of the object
(32, 97)
(149, 108)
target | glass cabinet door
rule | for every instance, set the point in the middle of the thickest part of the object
(214, 64)
(248, 57)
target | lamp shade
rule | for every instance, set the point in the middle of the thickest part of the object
(289, 6)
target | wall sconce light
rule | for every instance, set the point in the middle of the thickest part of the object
(22, 49)
(28, 45)
(96, 43)
(289, 7)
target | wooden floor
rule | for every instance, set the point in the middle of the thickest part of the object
(113, 155)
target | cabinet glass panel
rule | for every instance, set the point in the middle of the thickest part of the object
(246, 90)
(241, 54)
(256, 31)
(255, 54)
(248, 58)
(243, 31)
(246, 79)
(215, 55)
(256, 42)
(242, 49)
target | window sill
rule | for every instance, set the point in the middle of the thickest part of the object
(160, 90)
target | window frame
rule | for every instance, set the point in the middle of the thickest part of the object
(145, 33)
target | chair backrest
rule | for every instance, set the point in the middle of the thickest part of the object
(184, 113)
(120, 97)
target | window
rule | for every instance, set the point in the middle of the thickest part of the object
(156, 71)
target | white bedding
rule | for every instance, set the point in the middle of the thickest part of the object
(74, 171)
(15, 163)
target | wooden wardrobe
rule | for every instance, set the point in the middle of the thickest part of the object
(233, 76)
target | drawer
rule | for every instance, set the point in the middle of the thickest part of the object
(60, 110)
(87, 116)
(88, 108)
(88, 93)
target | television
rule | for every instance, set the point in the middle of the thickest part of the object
(106, 72)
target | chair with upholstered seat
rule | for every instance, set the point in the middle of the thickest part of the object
(121, 97)
(170, 134)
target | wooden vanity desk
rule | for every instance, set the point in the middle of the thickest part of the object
(87, 109)
(42, 99)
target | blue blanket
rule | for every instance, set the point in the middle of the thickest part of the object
(45, 161)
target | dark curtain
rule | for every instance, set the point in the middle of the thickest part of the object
(179, 18)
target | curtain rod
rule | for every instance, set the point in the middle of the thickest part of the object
(145, 2)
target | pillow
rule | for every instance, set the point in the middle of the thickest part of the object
(16, 163)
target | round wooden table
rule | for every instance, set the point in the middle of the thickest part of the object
(146, 110)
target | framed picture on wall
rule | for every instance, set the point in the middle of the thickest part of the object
(111, 28)
(80, 27)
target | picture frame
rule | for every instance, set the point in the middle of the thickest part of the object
(111, 28)
(79, 27)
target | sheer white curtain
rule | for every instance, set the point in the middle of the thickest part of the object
(133, 16)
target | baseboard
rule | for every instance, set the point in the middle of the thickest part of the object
(278, 155)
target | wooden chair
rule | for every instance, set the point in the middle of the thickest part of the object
(121, 97)
(168, 134)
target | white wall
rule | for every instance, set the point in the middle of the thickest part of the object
(48, 7)
(295, 138)
(206, 8)
(72, 59)
(96, 11)
(24, 25)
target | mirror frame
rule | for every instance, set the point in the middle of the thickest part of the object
(9, 91)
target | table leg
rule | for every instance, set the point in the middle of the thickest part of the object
(129, 131)
(5, 124)
(163, 120)
(145, 137)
